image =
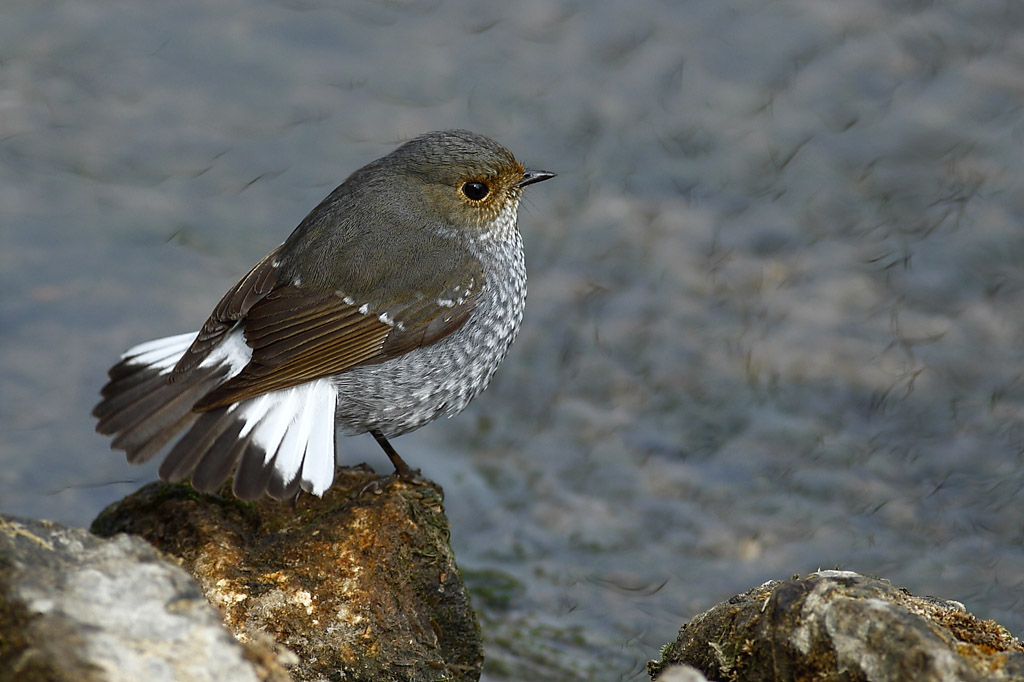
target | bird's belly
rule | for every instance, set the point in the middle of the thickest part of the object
(403, 394)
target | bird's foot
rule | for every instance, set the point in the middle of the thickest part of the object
(382, 484)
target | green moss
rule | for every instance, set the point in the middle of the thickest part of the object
(493, 589)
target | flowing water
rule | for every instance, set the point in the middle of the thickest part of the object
(775, 303)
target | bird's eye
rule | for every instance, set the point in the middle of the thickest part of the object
(475, 190)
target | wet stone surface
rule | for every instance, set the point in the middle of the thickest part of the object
(357, 584)
(78, 608)
(838, 625)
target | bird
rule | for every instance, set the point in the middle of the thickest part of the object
(391, 304)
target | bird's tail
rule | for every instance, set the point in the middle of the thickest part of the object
(274, 443)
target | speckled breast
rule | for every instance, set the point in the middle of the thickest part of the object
(402, 394)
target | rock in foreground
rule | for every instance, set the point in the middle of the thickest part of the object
(79, 608)
(842, 626)
(359, 585)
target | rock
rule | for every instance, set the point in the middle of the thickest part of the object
(80, 608)
(842, 626)
(360, 585)
(681, 673)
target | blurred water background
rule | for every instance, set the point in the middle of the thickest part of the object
(776, 292)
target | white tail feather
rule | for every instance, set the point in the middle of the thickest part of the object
(294, 445)
(161, 354)
(295, 428)
(318, 470)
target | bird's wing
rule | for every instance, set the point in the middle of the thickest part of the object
(257, 284)
(298, 334)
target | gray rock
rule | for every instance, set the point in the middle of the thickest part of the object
(842, 626)
(681, 673)
(77, 607)
(360, 584)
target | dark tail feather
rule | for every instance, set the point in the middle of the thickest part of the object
(280, 489)
(143, 452)
(127, 385)
(186, 453)
(253, 475)
(168, 407)
(144, 412)
(217, 463)
(211, 451)
(141, 408)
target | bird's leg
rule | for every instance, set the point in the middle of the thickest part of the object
(402, 470)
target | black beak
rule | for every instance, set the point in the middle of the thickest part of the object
(532, 176)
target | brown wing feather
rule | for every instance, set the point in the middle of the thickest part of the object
(297, 335)
(257, 284)
(432, 330)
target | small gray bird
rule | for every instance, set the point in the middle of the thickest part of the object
(392, 303)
